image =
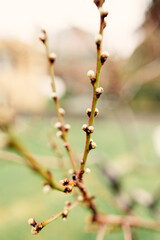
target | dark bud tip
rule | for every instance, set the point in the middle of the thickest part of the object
(99, 3)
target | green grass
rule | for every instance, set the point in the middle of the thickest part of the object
(21, 194)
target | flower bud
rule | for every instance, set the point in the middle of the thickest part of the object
(61, 111)
(92, 145)
(87, 170)
(65, 182)
(80, 198)
(47, 188)
(42, 38)
(67, 203)
(70, 171)
(103, 12)
(96, 112)
(59, 134)
(34, 231)
(98, 39)
(52, 58)
(64, 217)
(90, 129)
(104, 57)
(88, 111)
(90, 74)
(66, 146)
(67, 127)
(54, 96)
(58, 125)
(65, 212)
(99, 91)
(68, 189)
(31, 221)
(84, 127)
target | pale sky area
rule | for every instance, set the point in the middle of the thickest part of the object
(22, 19)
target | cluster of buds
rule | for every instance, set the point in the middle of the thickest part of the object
(61, 129)
(88, 111)
(99, 91)
(35, 226)
(87, 129)
(92, 145)
(91, 76)
(68, 185)
(59, 126)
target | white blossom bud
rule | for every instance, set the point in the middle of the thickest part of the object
(84, 127)
(88, 111)
(61, 111)
(70, 171)
(99, 91)
(59, 134)
(92, 145)
(31, 221)
(67, 127)
(64, 218)
(104, 57)
(54, 95)
(96, 112)
(91, 74)
(105, 54)
(47, 188)
(98, 38)
(103, 12)
(52, 57)
(87, 170)
(80, 198)
(34, 231)
(65, 212)
(90, 129)
(58, 125)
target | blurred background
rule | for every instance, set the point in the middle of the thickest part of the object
(127, 156)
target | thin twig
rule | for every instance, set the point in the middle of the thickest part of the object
(37, 227)
(59, 157)
(95, 83)
(127, 232)
(101, 232)
(51, 60)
